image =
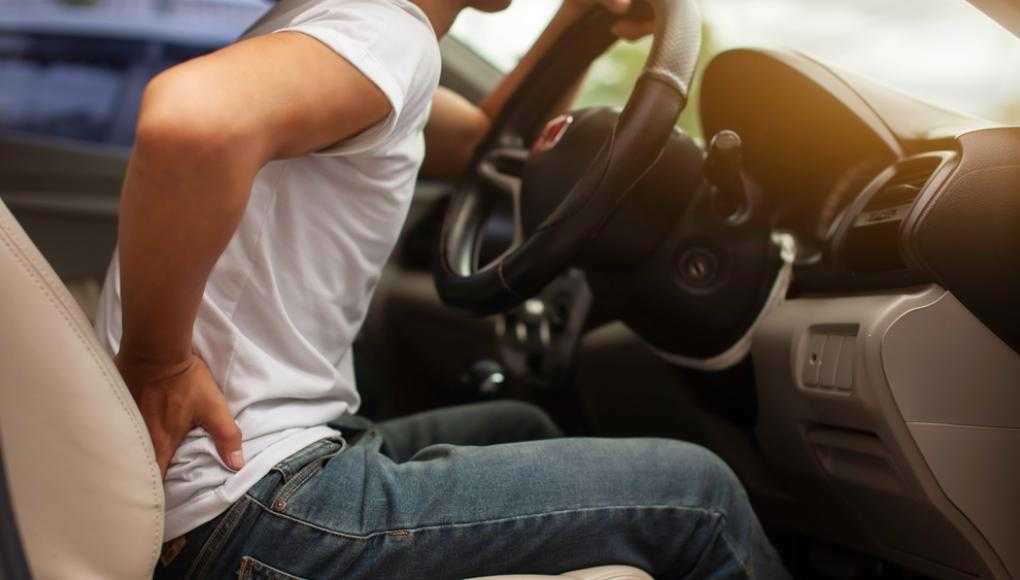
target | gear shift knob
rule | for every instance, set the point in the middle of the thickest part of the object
(727, 149)
(724, 170)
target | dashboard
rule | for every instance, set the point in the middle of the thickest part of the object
(803, 131)
(886, 382)
(881, 190)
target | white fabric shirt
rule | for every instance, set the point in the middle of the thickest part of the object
(289, 294)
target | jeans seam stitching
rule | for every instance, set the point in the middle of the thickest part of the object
(214, 543)
(253, 563)
(315, 460)
(301, 458)
(296, 482)
(435, 527)
(719, 522)
(729, 546)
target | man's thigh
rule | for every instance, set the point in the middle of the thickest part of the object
(489, 423)
(670, 508)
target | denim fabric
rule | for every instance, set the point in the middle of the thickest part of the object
(449, 494)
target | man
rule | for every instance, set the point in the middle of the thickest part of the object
(266, 189)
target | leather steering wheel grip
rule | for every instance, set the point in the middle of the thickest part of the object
(635, 144)
(678, 29)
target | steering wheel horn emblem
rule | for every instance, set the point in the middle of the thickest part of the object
(552, 133)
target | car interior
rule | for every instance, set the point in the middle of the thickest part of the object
(820, 286)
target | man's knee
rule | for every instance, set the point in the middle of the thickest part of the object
(712, 484)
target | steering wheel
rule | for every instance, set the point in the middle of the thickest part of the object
(543, 248)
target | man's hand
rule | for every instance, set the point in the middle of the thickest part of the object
(456, 127)
(176, 399)
(629, 28)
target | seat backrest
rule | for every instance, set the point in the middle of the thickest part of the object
(87, 494)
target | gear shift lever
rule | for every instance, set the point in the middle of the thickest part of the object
(724, 170)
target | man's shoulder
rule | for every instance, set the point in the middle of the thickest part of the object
(395, 32)
(391, 42)
(384, 18)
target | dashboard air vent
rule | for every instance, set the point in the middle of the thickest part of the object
(873, 240)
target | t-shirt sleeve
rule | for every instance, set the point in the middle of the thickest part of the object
(393, 48)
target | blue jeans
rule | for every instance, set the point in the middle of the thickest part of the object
(454, 494)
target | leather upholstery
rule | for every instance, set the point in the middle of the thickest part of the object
(600, 573)
(674, 55)
(87, 494)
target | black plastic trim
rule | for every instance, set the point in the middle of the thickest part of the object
(13, 565)
(967, 234)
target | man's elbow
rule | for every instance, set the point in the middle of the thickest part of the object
(182, 123)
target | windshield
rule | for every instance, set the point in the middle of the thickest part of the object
(943, 51)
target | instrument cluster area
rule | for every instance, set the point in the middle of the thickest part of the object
(807, 136)
(843, 163)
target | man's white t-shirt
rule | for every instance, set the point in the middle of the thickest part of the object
(289, 294)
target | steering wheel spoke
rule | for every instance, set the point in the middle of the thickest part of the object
(500, 171)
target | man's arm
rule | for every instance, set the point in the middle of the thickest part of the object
(456, 127)
(205, 129)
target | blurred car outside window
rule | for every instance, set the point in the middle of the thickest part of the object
(75, 69)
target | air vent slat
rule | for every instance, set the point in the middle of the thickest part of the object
(904, 187)
(873, 241)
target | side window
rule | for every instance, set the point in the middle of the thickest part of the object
(75, 69)
(64, 86)
(504, 37)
